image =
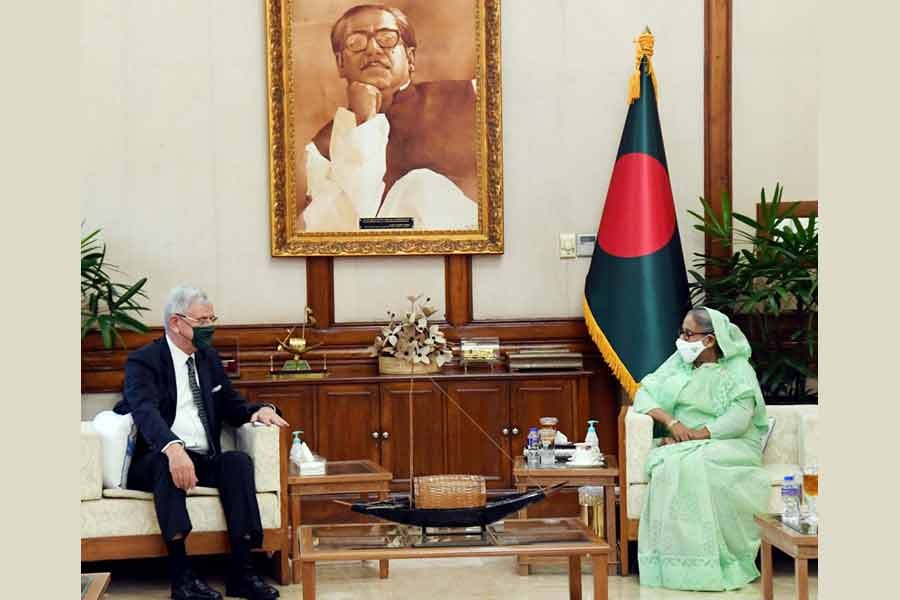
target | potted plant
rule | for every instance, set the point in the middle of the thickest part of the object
(410, 344)
(769, 287)
(107, 305)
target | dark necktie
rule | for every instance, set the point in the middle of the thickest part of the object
(198, 400)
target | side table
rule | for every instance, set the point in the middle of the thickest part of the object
(606, 476)
(800, 545)
(362, 477)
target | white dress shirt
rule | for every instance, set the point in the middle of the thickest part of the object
(187, 425)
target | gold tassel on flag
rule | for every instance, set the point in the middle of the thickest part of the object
(643, 48)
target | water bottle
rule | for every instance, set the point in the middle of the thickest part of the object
(790, 496)
(532, 447)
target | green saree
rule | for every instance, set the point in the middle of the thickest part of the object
(696, 530)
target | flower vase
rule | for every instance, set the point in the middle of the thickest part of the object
(390, 365)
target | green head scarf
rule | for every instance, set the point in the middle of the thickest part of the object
(731, 340)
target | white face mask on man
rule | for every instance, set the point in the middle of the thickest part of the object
(689, 351)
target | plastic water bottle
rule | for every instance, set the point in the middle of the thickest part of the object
(790, 496)
(532, 447)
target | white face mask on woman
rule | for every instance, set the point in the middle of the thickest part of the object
(689, 351)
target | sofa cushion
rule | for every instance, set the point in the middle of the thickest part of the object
(118, 435)
(638, 443)
(91, 472)
(809, 437)
(120, 516)
(777, 471)
(784, 444)
(139, 495)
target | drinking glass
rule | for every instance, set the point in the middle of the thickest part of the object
(811, 489)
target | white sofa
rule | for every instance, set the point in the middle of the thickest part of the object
(793, 443)
(121, 523)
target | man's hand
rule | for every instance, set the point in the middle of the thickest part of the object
(268, 416)
(181, 467)
(364, 100)
(680, 432)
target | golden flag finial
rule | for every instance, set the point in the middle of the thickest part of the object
(643, 49)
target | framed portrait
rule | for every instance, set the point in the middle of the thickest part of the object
(385, 132)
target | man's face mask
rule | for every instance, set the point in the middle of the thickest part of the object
(203, 336)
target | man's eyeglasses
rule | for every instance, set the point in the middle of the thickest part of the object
(202, 322)
(359, 40)
(687, 333)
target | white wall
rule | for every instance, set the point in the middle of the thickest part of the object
(176, 149)
(176, 152)
(566, 66)
(775, 96)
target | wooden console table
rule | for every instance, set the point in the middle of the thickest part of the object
(362, 477)
(801, 546)
(606, 476)
(555, 537)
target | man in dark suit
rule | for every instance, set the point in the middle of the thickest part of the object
(178, 394)
(431, 124)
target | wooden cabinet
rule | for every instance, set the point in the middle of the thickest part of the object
(531, 400)
(347, 422)
(471, 423)
(478, 430)
(429, 440)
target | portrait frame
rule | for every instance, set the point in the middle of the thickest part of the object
(283, 148)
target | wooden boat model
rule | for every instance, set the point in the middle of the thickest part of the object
(399, 510)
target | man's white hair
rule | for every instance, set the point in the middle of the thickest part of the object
(180, 299)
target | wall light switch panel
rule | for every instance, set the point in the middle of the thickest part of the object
(567, 245)
(584, 244)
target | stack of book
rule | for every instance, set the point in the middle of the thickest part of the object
(544, 359)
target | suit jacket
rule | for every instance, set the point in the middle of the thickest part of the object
(151, 398)
(432, 127)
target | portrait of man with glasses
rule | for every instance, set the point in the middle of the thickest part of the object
(400, 147)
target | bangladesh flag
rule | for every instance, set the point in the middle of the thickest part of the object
(636, 291)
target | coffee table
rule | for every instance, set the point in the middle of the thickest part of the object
(800, 545)
(362, 477)
(545, 537)
(606, 476)
(93, 585)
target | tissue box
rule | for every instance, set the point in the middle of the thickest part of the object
(316, 466)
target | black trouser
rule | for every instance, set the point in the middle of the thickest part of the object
(230, 472)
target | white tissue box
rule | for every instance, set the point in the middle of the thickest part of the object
(313, 467)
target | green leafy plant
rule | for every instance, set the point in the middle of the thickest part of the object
(769, 286)
(106, 305)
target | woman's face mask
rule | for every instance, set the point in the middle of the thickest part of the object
(689, 351)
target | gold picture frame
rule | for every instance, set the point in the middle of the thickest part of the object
(289, 237)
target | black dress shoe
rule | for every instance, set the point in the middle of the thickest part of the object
(191, 587)
(249, 585)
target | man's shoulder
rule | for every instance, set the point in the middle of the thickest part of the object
(151, 351)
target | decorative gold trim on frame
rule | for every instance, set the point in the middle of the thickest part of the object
(488, 239)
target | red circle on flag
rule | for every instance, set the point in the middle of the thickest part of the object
(639, 215)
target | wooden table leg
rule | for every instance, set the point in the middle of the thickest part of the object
(522, 514)
(599, 563)
(383, 565)
(309, 580)
(575, 577)
(766, 567)
(609, 496)
(294, 528)
(801, 572)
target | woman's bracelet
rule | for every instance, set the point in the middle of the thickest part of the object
(671, 423)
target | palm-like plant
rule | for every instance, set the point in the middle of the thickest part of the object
(106, 305)
(769, 285)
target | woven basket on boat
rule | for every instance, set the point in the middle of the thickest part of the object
(450, 491)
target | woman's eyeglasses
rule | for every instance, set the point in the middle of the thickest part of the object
(687, 333)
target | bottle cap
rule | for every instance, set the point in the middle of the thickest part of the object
(788, 477)
(533, 429)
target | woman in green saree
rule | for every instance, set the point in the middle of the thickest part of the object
(706, 478)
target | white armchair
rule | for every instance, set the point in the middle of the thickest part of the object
(793, 443)
(121, 523)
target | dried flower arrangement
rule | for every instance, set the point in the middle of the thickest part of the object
(412, 339)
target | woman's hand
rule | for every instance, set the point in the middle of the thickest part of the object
(701, 433)
(666, 441)
(680, 432)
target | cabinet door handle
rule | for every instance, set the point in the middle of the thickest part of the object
(374, 435)
(385, 435)
(505, 431)
(515, 431)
